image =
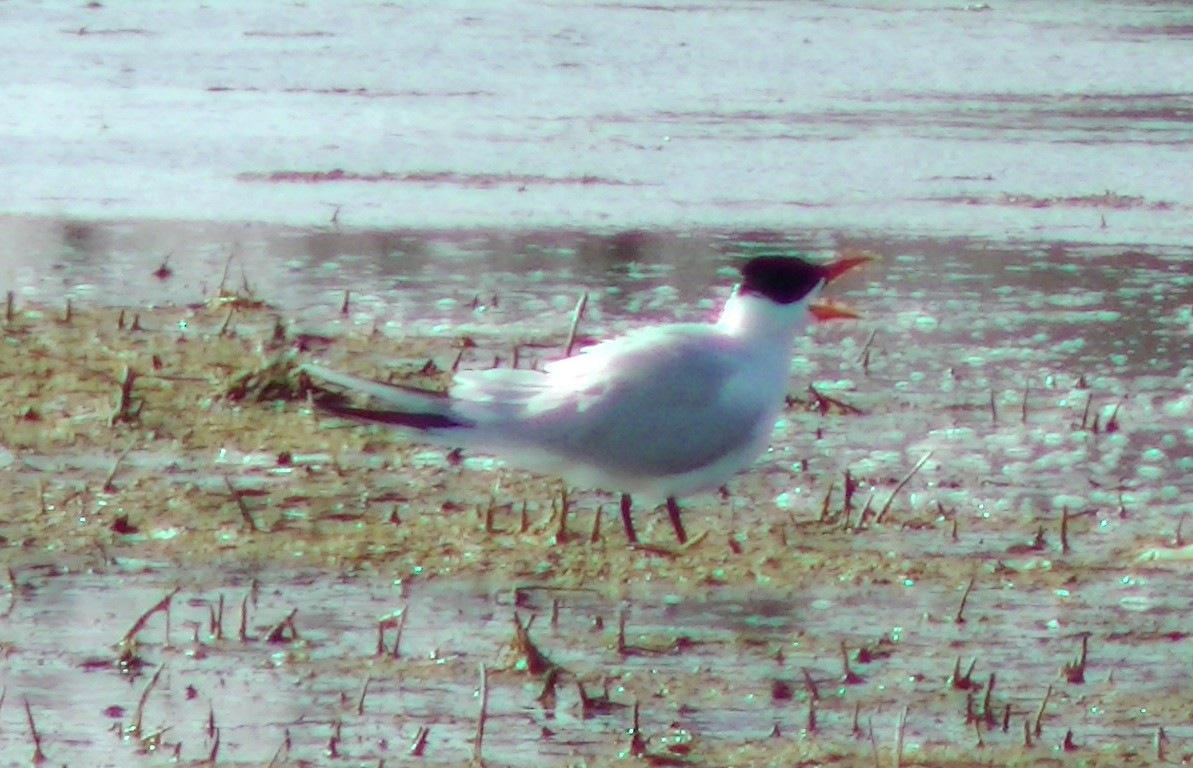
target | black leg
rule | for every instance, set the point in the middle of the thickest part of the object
(676, 523)
(626, 502)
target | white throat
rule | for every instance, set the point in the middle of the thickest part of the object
(760, 321)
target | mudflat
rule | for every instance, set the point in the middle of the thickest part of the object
(967, 543)
(968, 530)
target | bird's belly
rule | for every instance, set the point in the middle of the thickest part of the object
(661, 466)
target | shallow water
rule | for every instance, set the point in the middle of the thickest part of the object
(716, 667)
(925, 119)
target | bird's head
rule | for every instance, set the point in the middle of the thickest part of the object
(783, 293)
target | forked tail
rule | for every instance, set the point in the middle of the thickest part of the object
(397, 406)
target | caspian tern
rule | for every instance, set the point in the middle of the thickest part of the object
(660, 412)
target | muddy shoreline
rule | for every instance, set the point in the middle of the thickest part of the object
(1047, 515)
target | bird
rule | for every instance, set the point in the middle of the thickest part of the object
(660, 412)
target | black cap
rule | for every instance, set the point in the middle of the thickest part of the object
(782, 279)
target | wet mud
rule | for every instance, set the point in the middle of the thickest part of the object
(966, 542)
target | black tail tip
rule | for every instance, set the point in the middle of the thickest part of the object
(338, 405)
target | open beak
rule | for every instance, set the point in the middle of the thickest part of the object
(822, 310)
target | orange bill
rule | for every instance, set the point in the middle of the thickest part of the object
(848, 261)
(825, 310)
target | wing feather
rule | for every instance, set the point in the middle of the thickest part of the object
(653, 403)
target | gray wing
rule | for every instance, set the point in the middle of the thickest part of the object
(653, 404)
